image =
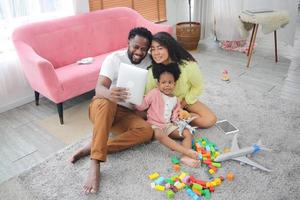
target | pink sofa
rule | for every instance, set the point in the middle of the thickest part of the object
(48, 50)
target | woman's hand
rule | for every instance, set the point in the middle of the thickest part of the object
(183, 104)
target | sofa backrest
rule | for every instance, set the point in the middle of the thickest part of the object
(66, 40)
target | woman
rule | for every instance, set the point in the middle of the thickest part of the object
(165, 50)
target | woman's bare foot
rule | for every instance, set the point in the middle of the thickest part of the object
(93, 180)
(85, 151)
(190, 162)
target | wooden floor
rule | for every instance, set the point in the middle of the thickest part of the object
(23, 143)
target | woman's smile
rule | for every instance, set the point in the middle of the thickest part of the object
(159, 53)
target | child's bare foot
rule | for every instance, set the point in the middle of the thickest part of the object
(79, 154)
(192, 154)
(92, 183)
(190, 162)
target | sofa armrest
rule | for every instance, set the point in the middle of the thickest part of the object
(154, 28)
(39, 72)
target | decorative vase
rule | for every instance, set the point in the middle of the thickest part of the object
(188, 34)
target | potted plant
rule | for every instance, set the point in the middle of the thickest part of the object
(188, 33)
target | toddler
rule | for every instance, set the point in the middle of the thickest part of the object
(163, 108)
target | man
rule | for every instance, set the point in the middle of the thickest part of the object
(108, 110)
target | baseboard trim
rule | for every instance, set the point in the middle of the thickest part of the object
(16, 103)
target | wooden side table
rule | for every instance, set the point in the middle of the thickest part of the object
(270, 22)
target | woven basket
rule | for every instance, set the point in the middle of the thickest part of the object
(188, 34)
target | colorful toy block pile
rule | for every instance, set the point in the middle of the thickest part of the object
(208, 151)
(197, 189)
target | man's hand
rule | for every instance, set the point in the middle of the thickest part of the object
(115, 94)
(118, 94)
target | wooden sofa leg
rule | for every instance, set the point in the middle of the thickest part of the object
(60, 112)
(37, 97)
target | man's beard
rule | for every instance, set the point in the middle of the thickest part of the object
(130, 56)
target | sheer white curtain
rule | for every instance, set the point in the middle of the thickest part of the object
(227, 19)
(203, 12)
(14, 89)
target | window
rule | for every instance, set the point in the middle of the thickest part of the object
(14, 13)
(153, 10)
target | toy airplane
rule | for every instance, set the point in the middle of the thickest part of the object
(240, 154)
(184, 123)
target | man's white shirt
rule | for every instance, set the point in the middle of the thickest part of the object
(111, 64)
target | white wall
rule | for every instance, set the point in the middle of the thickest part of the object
(17, 90)
(14, 88)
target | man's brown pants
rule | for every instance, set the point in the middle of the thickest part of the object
(129, 128)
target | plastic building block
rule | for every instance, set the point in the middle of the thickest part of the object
(160, 181)
(206, 194)
(170, 181)
(182, 175)
(174, 178)
(153, 176)
(152, 185)
(230, 176)
(186, 179)
(179, 185)
(176, 168)
(213, 184)
(218, 165)
(192, 194)
(170, 194)
(218, 181)
(160, 187)
(197, 192)
(197, 186)
(211, 171)
(175, 160)
(173, 188)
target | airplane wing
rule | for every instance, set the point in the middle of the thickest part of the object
(246, 160)
(234, 144)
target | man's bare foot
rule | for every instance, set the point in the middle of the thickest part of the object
(190, 162)
(85, 151)
(92, 183)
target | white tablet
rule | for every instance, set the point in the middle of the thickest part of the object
(134, 79)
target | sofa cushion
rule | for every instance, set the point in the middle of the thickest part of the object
(77, 79)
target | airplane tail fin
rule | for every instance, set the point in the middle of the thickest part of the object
(265, 148)
(262, 147)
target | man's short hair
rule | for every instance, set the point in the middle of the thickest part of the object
(140, 31)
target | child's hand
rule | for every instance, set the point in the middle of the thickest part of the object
(183, 114)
